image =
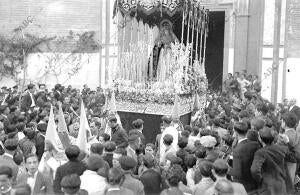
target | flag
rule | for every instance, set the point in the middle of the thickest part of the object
(62, 128)
(81, 141)
(175, 111)
(51, 136)
(196, 106)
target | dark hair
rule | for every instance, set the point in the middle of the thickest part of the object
(110, 146)
(200, 152)
(185, 133)
(263, 108)
(18, 157)
(105, 136)
(138, 123)
(30, 156)
(204, 132)
(6, 170)
(195, 131)
(188, 128)
(71, 183)
(205, 168)
(241, 128)
(168, 139)
(174, 175)
(97, 148)
(290, 120)
(220, 167)
(115, 176)
(190, 161)
(182, 142)
(72, 152)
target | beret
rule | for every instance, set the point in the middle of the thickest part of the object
(208, 141)
(127, 163)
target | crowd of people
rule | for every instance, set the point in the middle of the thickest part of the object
(242, 144)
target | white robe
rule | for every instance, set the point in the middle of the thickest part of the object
(172, 131)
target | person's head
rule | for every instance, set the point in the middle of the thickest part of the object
(6, 179)
(109, 147)
(205, 168)
(195, 131)
(190, 161)
(18, 157)
(70, 184)
(224, 187)
(134, 141)
(4, 110)
(229, 76)
(257, 124)
(220, 168)
(115, 177)
(150, 149)
(200, 153)
(289, 120)
(117, 155)
(103, 138)
(261, 110)
(72, 152)
(31, 163)
(97, 148)
(168, 140)
(185, 134)
(138, 124)
(22, 190)
(31, 88)
(293, 102)
(241, 129)
(94, 162)
(11, 144)
(285, 102)
(174, 175)
(127, 163)
(148, 161)
(167, 120)
(112, 121)
(182, 142)
(266, 135)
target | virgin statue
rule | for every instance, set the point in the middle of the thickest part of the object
(159, 65)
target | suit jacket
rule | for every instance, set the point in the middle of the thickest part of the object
(133, 184)
(108, 157)
(269, 169)
(6, 160)
(70, 167)
(243, 155)
(138, 133)
(43, 183)
(26, 102)
(119, 136)
(296, 111)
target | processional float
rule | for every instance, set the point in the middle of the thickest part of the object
(154, 65)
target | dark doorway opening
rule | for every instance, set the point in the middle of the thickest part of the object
(214, 47)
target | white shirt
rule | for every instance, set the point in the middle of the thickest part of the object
(31, 181)
(172, 131)
(93, 183)
(32, 100)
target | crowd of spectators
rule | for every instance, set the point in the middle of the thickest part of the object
(242, 144)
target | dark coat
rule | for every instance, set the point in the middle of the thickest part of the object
(26, 102)
(270, 171)
(296, 110)
(152, 182)
(243, 155)
(119, 136)
(70, 167)
(108, 157)
(43, 183)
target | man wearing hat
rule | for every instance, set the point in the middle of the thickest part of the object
(269, 165)
(243, 155)
(28, 100)
(127, 165)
